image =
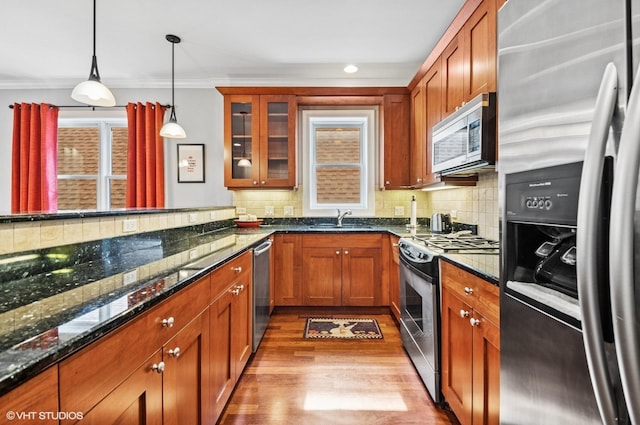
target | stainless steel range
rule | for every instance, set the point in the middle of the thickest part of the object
(420, 297)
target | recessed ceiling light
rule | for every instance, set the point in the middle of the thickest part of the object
(350, 69)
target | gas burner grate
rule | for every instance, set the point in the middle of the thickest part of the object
(459, 243)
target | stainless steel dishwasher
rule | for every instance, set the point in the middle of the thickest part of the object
(261, 293)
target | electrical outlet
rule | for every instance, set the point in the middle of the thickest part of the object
(268, 211)
(213, 247)
(130, 277)
(130, 225)
(398, 210)
(213, 215)
(454, 213)
(193, 217)
(288, 210)
(241, 210)
(193, 254)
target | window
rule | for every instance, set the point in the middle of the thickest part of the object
(339, 161)
(92, 164)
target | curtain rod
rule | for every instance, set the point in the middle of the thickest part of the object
(90, 106)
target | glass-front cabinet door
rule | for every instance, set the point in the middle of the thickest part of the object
(277, 141)
(259, 141)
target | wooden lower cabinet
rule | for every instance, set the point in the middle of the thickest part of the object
(231, 332)
(394, 277)
(39, 394)
(136, 401)
(345, 270)
(159, 371)
(185, 396)
(287, 259)
(470, 346)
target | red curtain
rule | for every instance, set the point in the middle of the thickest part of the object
(34, 165)
(145, 162)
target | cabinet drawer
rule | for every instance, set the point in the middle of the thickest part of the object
(342, 240)
(39, 394)
(478, 293)
(91, 374)
(237, 270)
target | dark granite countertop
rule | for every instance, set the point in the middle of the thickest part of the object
(55, 301)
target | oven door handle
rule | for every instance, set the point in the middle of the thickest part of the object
(587, 245)
(412, 269)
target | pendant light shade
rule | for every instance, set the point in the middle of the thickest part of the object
(171, 129)
(93, 92)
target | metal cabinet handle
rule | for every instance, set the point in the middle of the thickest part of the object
(395, 245)
(346, 253)
(387, 182)
(464, 313)
(240, 287)
(158, 368)
(175, 352)
(168, 323)
(263, 182)
(468, 291)
(474, 322)
(255, 183)
(337, 252)
(237, 269)
(235, 291)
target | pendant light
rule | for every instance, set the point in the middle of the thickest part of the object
(93, 92)
(171, 129)
(244, 162)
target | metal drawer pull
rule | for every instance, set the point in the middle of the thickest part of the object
(346, 253)
(237, 269)
(474, 322)
(337, 252)
(235, 291)
(158, 368)
(468, 291)
(240, 287)
(464, 313)
(168, 323)
(175, 352)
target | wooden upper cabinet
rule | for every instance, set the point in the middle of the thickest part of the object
(452, 61)
(469, 60)
(259, 141)
(480, 50)
(418, 141)
(433, 114)
(396, 111)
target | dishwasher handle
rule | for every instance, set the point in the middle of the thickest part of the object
(262, 248)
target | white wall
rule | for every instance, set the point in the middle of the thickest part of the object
(199, 111)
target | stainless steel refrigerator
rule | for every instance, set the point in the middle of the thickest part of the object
(570, 219)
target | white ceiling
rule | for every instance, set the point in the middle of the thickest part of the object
(48, 44)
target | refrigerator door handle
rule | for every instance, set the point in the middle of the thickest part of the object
(586, 251)
(621, 254)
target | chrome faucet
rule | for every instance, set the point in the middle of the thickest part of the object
(341, 216)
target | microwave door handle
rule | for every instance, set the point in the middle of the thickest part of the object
(587, 243)
(621, 254)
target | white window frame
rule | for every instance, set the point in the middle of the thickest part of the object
(104, 176)
(366, 120)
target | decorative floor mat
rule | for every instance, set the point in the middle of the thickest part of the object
(326, 328)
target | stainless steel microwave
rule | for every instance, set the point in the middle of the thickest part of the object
(466, 140)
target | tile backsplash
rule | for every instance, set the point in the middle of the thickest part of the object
(31, 235)
(473, 205)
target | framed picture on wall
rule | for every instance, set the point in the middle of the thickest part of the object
(191, 163)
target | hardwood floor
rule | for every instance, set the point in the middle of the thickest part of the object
(291, 380)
